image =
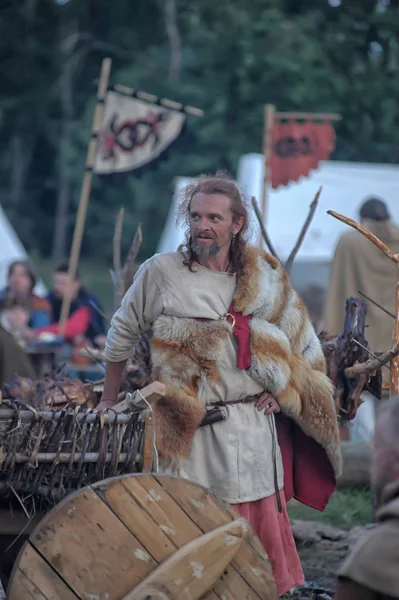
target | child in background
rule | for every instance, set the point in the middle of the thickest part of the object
(14, 317)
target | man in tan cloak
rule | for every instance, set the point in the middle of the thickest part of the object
(359, 265)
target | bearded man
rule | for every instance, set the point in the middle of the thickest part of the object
(229, 330)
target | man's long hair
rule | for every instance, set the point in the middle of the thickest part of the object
(222, 184)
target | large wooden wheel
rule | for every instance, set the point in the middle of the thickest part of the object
(142, 537)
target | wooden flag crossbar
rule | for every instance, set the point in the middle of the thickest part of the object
(152, 99)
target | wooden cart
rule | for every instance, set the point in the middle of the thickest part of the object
(142, 537)
(81, 518)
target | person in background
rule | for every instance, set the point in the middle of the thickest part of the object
(14, 317)
(359, 265)
(21, 280)
(85, 321)
(13, 360)
(371, 571)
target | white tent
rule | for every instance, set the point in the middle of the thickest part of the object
(11, 249)
(345, 187)
(173, 234)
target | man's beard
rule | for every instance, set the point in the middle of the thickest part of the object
(205, 251)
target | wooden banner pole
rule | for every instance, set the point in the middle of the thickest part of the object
(85, 191)
(269, 114)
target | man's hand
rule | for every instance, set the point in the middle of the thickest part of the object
(268, 402)
(104, 404)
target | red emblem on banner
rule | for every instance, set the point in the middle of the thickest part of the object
(297, 148)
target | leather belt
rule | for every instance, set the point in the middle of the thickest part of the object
(246, 400)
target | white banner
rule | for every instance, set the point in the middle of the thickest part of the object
(134, 133)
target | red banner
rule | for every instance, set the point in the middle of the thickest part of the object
(297, 148)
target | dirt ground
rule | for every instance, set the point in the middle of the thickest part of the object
(322, 549)
(320, 564)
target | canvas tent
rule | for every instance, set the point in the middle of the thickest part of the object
(173, 234)
(11, 249)
(345, 187)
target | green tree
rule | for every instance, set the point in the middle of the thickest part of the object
(228, 58)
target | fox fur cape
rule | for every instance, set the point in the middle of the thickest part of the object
(286, 359)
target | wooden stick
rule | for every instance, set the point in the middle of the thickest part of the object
(95, 353)
(269, 112)
(117, 241)
(109, 416)
(301, 237)
(146, 97)
(118, 271)
(148, 453)
(369, 352)
(152, 392)
(376, 304)
(370, 236)
(306, 116)
(373, 363)
(128, 268)
(63, 457)
(394, 388)
(134, 249)
(100, 312)
(85, 191)
(95, 358)
(263, 228)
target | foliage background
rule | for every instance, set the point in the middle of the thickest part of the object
(227, 57)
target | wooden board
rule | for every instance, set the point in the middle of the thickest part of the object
(36, 579)
(194, 569)
(139, 532)
(251, 564)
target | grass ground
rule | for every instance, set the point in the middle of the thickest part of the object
(346, 509)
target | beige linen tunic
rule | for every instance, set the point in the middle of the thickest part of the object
(233, 458)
